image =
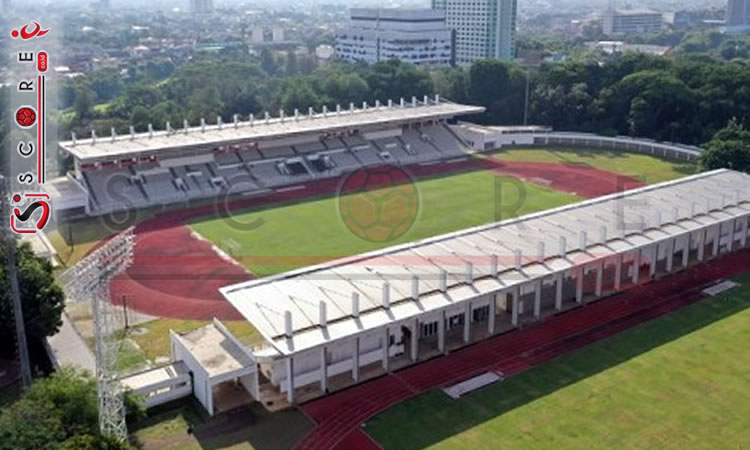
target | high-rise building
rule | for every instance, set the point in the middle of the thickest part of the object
(619, 22)
(416, 36)
(201, 6)
(484, 28)
(738, 13)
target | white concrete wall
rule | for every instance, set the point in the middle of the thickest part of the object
(201, 382)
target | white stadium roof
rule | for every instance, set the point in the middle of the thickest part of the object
(654, 213)
(129, 146)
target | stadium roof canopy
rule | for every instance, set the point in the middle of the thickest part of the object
(525, 249)
(260, 129)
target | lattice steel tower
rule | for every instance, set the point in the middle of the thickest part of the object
(89, 280)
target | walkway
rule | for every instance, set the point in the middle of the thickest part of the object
(69, 348)
(339, 416)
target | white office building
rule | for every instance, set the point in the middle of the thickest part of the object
(619, 22)
(417, 36)
(484, 28)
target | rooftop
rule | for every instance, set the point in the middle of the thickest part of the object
(215, 352)
(133, 145)
(286, 309)
(153, 377)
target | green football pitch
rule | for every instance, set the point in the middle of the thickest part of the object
(677, 382)
(312, 231)
(290, 236)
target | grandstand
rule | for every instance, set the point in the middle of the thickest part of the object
(254, 156)
(333, 325)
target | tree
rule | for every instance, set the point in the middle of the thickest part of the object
(140, 118)
(267, 61)
(92, 442)
(205, 103)
(453, 84)
(395, 79)
(501, 88)
(291, 63)
(168, 111)
(43, 300)
(487, 80)
(107, 84)
(299, 96)
(730, 149)
(60, 411)
(84, 102)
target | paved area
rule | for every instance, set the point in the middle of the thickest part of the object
(69, 348)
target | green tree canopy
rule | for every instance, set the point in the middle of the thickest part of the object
(299, 96)
(730, 149)
(60, 411)
(41, 297)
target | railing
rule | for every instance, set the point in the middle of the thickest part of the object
(624, 143)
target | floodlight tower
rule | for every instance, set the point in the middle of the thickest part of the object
(90, 280)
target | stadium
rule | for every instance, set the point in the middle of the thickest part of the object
(402, 297)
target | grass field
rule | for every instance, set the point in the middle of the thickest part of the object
(312, 231)
(252, 428)
(676, 382)
(646, 168)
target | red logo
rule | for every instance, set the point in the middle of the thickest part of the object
(25, 34)
(30, 204)
(42, 61)
(26, 117)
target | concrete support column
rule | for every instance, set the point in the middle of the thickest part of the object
(516, 304)
(415, 340)
(386, 355)
(717, 240)
(618, 272)
(290, 380)
(743, 236)
(467, 323)
(637, 267)
(654, 252)
(733, 225)
(323, 369)
(441, 332)
(702, 238)
(579, 284)
(491, 318)
(355, 359)
(558, 291)
(670, 254)
(538, 299)
(599, 277)
(686, 252)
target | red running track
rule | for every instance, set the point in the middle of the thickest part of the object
(338, 417)
(177, 275)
